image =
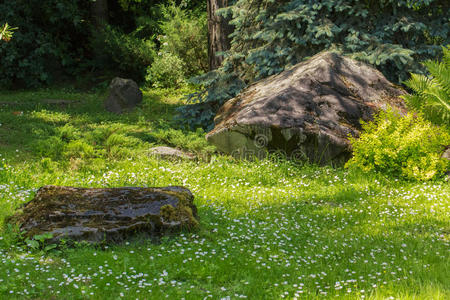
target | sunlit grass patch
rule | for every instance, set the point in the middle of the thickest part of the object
(270, 229)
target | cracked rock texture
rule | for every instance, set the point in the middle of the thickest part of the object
(107, 214)
(306, 112)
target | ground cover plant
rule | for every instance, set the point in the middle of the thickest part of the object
(269, 229)
(431, 94)
(401, 145)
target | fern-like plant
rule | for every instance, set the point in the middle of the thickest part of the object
(6, 32)
(432, 93)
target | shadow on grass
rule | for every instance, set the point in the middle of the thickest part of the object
(28, 121)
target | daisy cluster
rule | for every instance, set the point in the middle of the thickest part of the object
(269, 230)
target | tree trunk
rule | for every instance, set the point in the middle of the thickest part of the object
(218, 31)
(99, 11)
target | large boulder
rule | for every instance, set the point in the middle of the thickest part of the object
(124, 95)
(306, 112)
(106, 214)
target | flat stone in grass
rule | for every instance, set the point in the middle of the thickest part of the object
(170, 153)
(107, 214)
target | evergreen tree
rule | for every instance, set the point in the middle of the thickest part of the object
(219, 30)
(271, 35)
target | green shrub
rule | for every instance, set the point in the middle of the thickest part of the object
(48, 164)
(120, 139)
(68, 133)
(183, 49)
(51, 147)
(401, 146)
(99, 134)
(167, 71)
(80, 149)
(123, 53)
(118, 152)
(185, 35)
(119, 146)
(49, 45)
(432, 93)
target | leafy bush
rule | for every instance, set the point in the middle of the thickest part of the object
(51, 147)
(432, 93)
(120, 139)
(68, 133)
(406, 146)
(127, 54)
(185, 35)
(49, 45)
(79, 148)
(183, 49)
(119, 145)
(167, 70)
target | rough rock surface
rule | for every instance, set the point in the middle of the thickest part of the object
(110, 214)
(170, 153)
(306, 112)
(124, 95)
(446, 155)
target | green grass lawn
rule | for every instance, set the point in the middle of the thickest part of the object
(269, 229)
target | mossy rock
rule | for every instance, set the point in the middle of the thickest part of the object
(107, 214)
(306, 113)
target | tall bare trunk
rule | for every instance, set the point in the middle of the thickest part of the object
(218, 31)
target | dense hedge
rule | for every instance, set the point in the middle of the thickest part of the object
(49, 43)
(57, 40)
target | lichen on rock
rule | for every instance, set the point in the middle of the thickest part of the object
(112, 214)
(306, 112)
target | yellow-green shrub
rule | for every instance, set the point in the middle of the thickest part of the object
(402, 146)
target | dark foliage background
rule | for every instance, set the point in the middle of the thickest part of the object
(51, 41)
(57, 40)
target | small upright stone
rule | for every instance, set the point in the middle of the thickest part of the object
(124, 95)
